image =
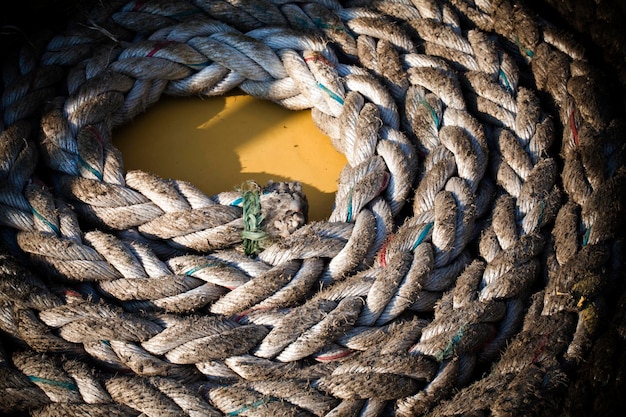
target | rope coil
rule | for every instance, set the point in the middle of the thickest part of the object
(471, 263)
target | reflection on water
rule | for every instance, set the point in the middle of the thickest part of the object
(219, 142)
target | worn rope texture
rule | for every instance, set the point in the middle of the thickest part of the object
(601, 22)
(469, 266)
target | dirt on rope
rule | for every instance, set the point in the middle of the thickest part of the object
(472, 264)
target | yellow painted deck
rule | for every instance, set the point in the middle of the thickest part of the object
(217, 143)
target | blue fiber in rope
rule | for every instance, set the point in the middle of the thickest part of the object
(349, 215)
(422, 235)
(66, 385)
(91, 169)
(505, 80)
(198, 268)
(527, 51)
(432, 111)
(586, 237)
(330, 93)
(46, 221)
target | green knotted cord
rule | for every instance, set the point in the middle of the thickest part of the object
(253, 235)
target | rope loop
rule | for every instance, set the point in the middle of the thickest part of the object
(476, 223)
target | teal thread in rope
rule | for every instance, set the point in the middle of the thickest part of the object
(527, 51)
(422, 235)
(89, 168)
(55, 229)
(542, 207)
(198, 268)
(505, 80)
(586, 237)
(349, 215)
(67, 385)
(330, 93)
(452, 343)
(432, 111)
(253, 405)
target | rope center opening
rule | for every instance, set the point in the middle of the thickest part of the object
(217, 143)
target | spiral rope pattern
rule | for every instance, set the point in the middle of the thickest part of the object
(471, 263)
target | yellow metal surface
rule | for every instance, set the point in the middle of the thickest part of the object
(218, 143)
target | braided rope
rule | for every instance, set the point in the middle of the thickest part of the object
(470, 263)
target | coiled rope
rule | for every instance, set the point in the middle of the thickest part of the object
(471, 264)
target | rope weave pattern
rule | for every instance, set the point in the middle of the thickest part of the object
(469, 265)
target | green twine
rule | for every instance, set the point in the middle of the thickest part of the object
(253, 236)
(320, 23)
(451, 345)
(253, 405)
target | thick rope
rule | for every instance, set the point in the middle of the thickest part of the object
(470, 263)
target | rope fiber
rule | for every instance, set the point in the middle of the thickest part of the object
(471, 265)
